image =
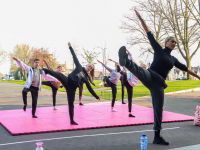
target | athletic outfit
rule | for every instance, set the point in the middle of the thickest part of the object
(75, 79)
(112, 82)
(54, 85)
(154, 77)
(129, 81)
(33, 84)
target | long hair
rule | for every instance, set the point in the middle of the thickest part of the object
(92, 72)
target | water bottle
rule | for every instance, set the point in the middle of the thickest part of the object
(143, 142)
(39, 146)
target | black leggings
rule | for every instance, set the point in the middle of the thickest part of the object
(129, 89)
(113, 87)
(80, 92)
(34, 94)
(122, 89)
(70, 90)
(54, 90)
(156, 88)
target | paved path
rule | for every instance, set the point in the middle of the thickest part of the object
(179, 134)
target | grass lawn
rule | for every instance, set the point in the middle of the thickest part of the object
(138, 91)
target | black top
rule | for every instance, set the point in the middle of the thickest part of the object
(163, 61)
(79, 75)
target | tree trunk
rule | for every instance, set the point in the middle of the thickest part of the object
(189, 66)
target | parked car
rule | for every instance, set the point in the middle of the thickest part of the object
(181, 78)
(3, 79)
(12, 78)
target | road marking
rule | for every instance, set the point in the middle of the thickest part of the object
(81, 136)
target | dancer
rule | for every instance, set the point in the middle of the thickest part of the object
(90, 78)
(154, 77)
(112, 82)
(54, 85)
(33, 83)
(101, 84)
(129, 81)
(76, 78)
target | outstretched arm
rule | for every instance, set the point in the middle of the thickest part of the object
(113, 61)
(22, 65)
(107, 68)
(145, 27)
(48, 66)
(74, 55)
(192, 73)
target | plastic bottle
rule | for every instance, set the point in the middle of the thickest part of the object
(39, 146)
(143, 142)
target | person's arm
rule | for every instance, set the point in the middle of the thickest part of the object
(145, 27)
(22, 65)
(113, 61)
(192, 73)
(107, 68)
(151, 38)
(91, 90)
(76, 62)
(48, 66)
(184, 68)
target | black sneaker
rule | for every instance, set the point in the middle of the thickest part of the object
(24, 108)
(130, 115)
(160, 141)
(81, 104)
(122, 56)
(73, 122)
(34, 116)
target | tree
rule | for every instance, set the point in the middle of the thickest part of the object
(42, 53)
(166, 17)
(3, 55)
(23, 53)
(89, 56)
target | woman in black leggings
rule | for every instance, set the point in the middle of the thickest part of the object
(54, 85)
(112, 82)
(76, 78)
(154, 77)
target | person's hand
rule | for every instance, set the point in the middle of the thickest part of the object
(96, 86)
(137, 13)
(69, 44)
(127, 51)
(98, 99)
(15, 58)
(44, 61)
(99, 62)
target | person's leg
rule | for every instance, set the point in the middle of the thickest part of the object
(34, 94)
(123, 83)
(80, 94)
(114, 93)
(24, 96)
(47, 83)
(122, 91)
(157, 93)
(61, 77)
(130, 96)
(71, 97)
(54, 92)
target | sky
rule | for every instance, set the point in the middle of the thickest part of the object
(53, 23)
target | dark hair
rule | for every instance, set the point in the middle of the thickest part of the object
(36, 59)
(118, 68)
(92, 72)
(59, 66)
